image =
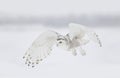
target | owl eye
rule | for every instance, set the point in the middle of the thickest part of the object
(60, 42)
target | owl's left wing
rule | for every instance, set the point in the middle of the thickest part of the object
(40, 48)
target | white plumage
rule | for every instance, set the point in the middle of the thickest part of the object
(42, 46)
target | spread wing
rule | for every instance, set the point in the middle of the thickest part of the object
(40, 48)
(78, 32)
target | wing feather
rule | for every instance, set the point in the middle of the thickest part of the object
(79, 32)
(40, 48)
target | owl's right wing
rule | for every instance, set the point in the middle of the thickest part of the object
(78, 32)
(40, 48)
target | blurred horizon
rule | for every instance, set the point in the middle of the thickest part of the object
(85, 19)
(58, 13)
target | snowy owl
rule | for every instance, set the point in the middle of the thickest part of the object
(79, 36)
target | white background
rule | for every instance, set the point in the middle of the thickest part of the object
(14, 40)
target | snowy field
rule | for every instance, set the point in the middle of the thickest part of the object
(99, 62)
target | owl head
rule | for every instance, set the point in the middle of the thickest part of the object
(61, 42)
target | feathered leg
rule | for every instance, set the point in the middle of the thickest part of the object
(83, 53)
(73, 52)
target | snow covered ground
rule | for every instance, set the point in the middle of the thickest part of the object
(98, 63)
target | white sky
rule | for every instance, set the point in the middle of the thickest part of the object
(59, 7)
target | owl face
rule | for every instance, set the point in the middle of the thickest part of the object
(61, 42)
